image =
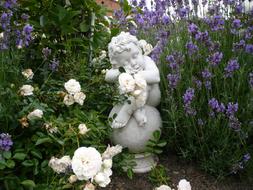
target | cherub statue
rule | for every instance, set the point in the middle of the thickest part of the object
(125, 51)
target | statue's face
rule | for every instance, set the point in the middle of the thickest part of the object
(130, 60)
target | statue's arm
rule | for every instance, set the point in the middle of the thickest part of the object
(151, 72)
(112, 75)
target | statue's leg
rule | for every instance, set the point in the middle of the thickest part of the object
(154, 95)
(124, 114)
(140, 116)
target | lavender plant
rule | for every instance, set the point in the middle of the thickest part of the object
(204, 51)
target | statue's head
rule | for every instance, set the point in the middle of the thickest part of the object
(124, 51)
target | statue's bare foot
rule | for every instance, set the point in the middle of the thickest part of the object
(140, 117)
(116, 124)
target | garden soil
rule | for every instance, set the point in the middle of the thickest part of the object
(176, 170)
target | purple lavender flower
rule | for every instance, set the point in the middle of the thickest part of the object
(165, 20)
(213, 103)
(25, 17)
(9, 4)
(215, 59)
(192, 48)
(5, 142)
(192, 28)
(200, 122)
(170, 58)
(231, 109)
(54, 65)
(232, 66)
(208, 85)
(238, 8)
(216, 106)
(239, 45)
(182, 12)
(249, 48)
(46, 52)
(206, 74)
(188, 96)
(217, 23)
(236, 23)
(198, 84)
(234, 123)
(251, 80)
(173, 80)
(246, 157)
(27, 31)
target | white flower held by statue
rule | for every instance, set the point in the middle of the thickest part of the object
(37, 113)
(126, 83)
(26, 90)
(72, 86)
(86, 163)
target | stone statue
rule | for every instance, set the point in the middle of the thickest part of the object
(137, 118)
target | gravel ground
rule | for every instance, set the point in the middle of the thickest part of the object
(177, 170)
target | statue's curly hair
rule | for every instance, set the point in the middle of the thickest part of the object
(118, 43)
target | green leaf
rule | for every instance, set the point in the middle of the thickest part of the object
(10, 163)
(36, 153)
(43, 140)
(130, 173)
(122, 70)
(158, 151)
(67, 186)
(27, 163)
(157, 134)
(84, 27)
(7, 154)
(19, 156)
(162, 144)
(2, 164)
(28, 183)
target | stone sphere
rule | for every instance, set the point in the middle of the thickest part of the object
(133, 136)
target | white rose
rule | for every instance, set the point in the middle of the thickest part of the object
(72, 86)
(83, 129)
(107, 171)
(61, 165)
(107, 163)
(102, 179)
(102, 55)
(141, 99)
(26, 90)
(68, 99)
(112, 151)
(79, 97)
(28, 74)
(72, 179)
(89, 186)
(126, 83)
(163, 187)
(86, 163)
(140, 81)
(147, 48)
(184, 185)
(37, 113)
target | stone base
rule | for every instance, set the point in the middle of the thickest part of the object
(144, 162)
